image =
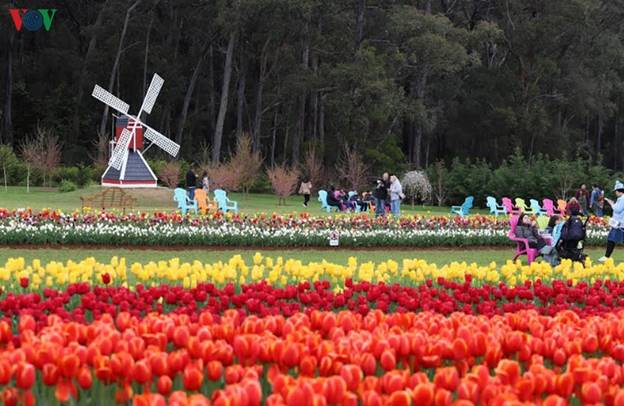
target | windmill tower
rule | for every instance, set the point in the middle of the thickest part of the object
(127, 167)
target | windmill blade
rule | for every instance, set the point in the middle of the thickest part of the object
(152, 93)
(107, 98)
(121, 149)
(163, 142)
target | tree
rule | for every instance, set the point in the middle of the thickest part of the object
(439, 177)
(41, 152)
(7, 160)
(313, 168)
(246, 163)
(169, 174)
(352, 170)
(284, 181)
(416, 186)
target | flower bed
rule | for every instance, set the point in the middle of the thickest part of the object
(280, 332)
(302, 230)
(321, 358)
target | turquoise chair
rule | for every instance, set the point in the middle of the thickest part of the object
(494, 207)
(223, 202)
(184, 203)
(357, 206)
(323, 199)
(537, 209)
(464, 209)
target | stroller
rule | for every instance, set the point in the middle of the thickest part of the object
(572, 240)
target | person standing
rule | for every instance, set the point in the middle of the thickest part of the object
(305, 189)
(616, 234)
(191, 183)
(596, 201)
(381, 194)
(582, 195)
(396, 194)
(205, 182)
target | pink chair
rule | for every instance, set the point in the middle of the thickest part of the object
(549, 206)
(508, 205)
(522, 244)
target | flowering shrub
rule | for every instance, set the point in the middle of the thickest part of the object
(54, 227)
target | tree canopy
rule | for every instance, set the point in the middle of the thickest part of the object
(405, 83)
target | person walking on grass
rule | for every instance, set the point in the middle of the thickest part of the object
(191, 183)
(305, 189)
(380, 194)
(582, 195)
(616, 234)
(396, 195)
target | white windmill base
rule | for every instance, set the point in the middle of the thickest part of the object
(134, 173)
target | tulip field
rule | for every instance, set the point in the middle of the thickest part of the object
(280, 331)
(148, 309)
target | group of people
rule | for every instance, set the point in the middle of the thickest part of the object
(593, 200)
(566, 238)
(386, 196)
(191, 182)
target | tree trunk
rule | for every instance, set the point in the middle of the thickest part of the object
(273, 138)
(599, 136)
(75, 133)
(7, 116)
(111, 80)
(240, 95)
(360, 9)
(211, 90)
(299, 133)
(321, 123)
(227, 73)
(189, 94)
(147, 44)
(28, 179)
(4, 176)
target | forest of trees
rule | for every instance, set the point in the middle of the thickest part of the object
(404, 82)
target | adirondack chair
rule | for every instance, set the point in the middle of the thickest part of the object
(549, 207)
(203, 201)
(537, 209)
(508, 205)
(464, 209)
(225, 204)
(521, 204)
(522, 244)
(324, 205)
(542, 222)
(357, 206)
(494, 207)
(184, 203)
(561, 205)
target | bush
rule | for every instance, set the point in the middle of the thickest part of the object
(284, 181)
(67, 186)
(170, 174)
(416, 186)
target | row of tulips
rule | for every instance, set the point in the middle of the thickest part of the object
(283, 272)
(317, 359)
(55, 227)
(83, 303)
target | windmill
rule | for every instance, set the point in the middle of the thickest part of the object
(127, 167)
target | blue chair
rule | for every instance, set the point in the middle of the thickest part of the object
(464, 209)
(494, 207)
(184, 203)
(223, 202)
(323, 199)
(357, 206)
(537, 209)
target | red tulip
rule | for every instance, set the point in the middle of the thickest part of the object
(26, 376)
(85, 380)
(193, 378)
(164, 385)
(24, 282)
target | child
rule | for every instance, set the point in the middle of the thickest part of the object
(305, 189)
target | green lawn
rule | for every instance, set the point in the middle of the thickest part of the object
(439, 257)
(162, 199)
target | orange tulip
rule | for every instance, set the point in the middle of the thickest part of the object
(446, 378)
